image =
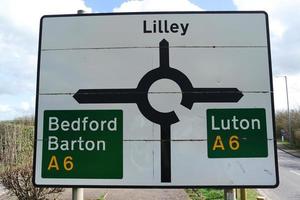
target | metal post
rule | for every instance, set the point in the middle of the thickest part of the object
(80, 12)
(243, 193)
(229, 194)
(77, 193)
(288, 111)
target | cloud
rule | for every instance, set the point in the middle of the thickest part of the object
(20, 105)
(4, 108)
(19, 26)
(280, 93)
(284, 22)
(17, 69)
(156, 5)
(25, 15)
(25, 106)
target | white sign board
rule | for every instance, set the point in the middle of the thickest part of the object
(155, 100)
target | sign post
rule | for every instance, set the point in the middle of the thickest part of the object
(77, 193)
(229, 194)
(101, 121)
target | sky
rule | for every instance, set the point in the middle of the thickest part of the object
(19, 29)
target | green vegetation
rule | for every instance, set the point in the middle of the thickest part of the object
(101, 197)
(282, 124)
(283, 143)
(251, 194)
(16, 142)
(205, 194)
(288, 146)
(16, 155)
(217, 194)
(282, 121)
(18, 182)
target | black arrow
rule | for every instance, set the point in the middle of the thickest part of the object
(107, 96)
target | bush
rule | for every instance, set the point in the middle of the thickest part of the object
(16, 143)
(282, 121)
(18, 181)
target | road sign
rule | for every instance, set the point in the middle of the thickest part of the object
(77, 139)
(155, 100)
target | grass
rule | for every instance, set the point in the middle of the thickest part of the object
(216, 194)
(251, 194)
(280, 142)
(101, 197)
(205, 194)
(287, 145)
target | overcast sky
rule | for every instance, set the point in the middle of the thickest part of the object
(19, 26)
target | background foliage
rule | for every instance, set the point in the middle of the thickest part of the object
(282, 122)
(16, 158)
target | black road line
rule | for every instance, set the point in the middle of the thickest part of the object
(165, 153)
(139, 96)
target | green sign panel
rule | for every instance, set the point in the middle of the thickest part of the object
(83, 144)
(236, 133)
